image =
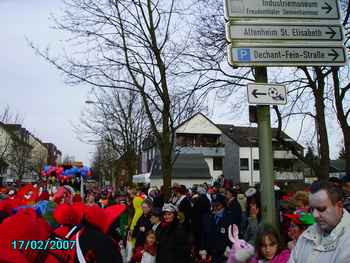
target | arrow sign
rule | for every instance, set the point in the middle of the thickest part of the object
(296, 31)
(334, 54)
(268, 94)
(331, 32)
(266, 54)
(256, 94)
(327, 7)
(307, 9)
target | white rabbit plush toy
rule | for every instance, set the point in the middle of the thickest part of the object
(241, 251)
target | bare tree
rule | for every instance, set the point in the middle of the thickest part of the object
(342, 104)
(119, 119)
(137, 45)
(6, 116)
(104, 162)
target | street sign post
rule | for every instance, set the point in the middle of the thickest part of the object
(267, 94)
(280, 33)
(306, 9)
(264, 54)
(287, 31)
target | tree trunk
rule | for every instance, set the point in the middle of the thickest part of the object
(166, 152)
(166, 160)
(339, 95)
(347, 154)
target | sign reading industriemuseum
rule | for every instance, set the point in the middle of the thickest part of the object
(310, 9)
(284, 33)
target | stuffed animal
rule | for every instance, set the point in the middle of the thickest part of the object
(241, 251)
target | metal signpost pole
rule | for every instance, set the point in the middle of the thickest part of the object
(265, 155)
(280, 33)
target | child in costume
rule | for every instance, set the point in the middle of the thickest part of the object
(269, 246)
(147, 252)
(300, 221)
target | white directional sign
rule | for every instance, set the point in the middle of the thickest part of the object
(307, 9)
(253, 30)
(267, 94)
(266, 54)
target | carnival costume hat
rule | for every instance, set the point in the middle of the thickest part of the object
(25, 225)
(250, 192)
(169, 208)
(301, 218)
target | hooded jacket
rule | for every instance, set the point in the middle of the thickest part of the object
(334, 248)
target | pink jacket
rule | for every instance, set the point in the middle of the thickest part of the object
(280, 258)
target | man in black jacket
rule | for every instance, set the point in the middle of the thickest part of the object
(234, 206)
(220, 219)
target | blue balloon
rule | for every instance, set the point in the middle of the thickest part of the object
(41, 207)
(75, 170)
(46, 168)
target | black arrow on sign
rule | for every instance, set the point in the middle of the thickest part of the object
(256, 93)
(333, 54)
(331, 32)
(327, 7)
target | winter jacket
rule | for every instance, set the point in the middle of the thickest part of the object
(218, 235)
(173, 244)
(236, 209)
(251, 230)
(142, 226)
(184, 206)
(334, 248)
(200, 220)
(280, 258)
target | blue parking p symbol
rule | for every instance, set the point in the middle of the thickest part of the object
(243, 54)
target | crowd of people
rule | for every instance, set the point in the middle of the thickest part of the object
(201, 224)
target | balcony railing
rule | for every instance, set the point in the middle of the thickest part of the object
(206, 151)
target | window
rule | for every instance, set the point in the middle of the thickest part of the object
(244, 164)
(283, 165)
(217, 163)
(256, 165)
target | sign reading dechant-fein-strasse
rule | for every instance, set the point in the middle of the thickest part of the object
(268, 94)
(294, 31)
(307, 9)
(265, 54)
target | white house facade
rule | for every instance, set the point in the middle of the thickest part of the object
(205, 150)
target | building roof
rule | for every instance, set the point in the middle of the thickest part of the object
(338, 165)
(186, 166)
(17, 133)
(248, 136)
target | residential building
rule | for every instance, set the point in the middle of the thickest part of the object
(337, 168)
(17, 141)
(205, 150)
(54, 156)
(22, 155)
(241, 163)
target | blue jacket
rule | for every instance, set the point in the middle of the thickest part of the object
(218, 233)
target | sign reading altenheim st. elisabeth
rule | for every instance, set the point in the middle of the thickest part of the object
(307, 9)
(272, 30)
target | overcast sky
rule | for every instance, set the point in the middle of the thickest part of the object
(36, 90)
(32, 87)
